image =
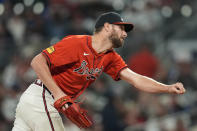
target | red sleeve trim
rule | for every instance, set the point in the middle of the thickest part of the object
(47, 58)
(118, 74)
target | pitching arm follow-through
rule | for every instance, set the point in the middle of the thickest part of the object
(147, 84)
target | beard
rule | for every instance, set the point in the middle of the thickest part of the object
(115, 40)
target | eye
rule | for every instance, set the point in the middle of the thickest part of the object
(122, 27)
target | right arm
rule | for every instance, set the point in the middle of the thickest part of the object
(39, 65)
(149, 85)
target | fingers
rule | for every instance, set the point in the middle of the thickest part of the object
(178, 88)
(64, 107)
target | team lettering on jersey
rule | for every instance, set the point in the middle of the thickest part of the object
(91, 73)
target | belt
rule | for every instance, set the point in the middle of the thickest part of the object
(39, 83)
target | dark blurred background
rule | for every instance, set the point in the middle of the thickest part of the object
(163, 46)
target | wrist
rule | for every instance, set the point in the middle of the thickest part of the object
(58, 95)
(168, 88)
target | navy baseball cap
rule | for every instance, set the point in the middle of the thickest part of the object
(113, 18)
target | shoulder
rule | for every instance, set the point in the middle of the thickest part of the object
(76, 38)
(73, 41)
(111, 57)
(113, 53)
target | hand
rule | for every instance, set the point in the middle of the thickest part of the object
(176, 88)
(74, 112)
(63, 103)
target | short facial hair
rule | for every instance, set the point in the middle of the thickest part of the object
(115, 40)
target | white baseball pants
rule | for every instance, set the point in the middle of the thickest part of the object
(35, 111)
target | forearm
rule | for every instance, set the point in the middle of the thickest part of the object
(41, 68)
(150, 85)
(143, 83)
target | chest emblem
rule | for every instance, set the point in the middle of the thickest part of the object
(90, 73)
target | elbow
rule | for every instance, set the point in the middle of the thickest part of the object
(33, 62)
(37, 60)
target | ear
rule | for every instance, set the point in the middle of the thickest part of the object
(107, 27)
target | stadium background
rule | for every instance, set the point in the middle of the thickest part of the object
(162, 45)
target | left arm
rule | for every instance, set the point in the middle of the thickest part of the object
(147, 84)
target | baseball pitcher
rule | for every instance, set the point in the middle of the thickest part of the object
(68, 67)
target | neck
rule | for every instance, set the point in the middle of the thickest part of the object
(100, 43)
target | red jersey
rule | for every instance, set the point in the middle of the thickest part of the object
(74, 64)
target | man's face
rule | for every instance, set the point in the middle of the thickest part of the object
(117, 36)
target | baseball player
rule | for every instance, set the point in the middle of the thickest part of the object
(67, 68)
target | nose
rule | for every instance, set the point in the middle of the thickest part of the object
(124, 34)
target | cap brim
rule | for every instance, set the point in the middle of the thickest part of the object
(128, 26)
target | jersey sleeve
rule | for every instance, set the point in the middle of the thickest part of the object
(115, 65)
(62, 53)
